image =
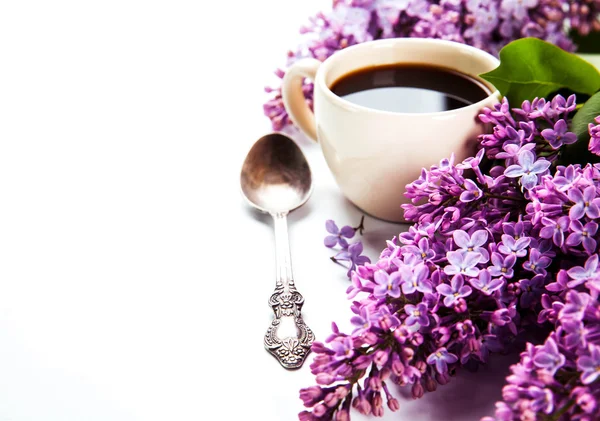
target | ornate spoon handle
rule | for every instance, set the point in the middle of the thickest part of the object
(288, 338)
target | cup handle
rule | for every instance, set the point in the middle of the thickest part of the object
(293, 96)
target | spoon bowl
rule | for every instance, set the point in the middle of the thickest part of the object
(275, 175)
(276, 179)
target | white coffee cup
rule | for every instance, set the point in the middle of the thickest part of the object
(373, 154)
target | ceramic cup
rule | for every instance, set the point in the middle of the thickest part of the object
(373, 154)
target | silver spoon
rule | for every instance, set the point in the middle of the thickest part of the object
(276, 179)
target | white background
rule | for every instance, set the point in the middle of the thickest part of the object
(133, 278)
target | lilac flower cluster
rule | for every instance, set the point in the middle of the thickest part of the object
(485, 24)
(558, 378)
(594, 130)
(350, 252)
(502, 242)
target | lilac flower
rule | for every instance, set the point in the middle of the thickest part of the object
(503, 266)
(562, 279)
(415, 279)
(416, 315)
(566, 177)
(337, 236)
(387, 320)
(353, 255)
(492, 305)
(531, 290)
(516, 8)
(542, 399)
(574, 333)
(485, 283)
(472, 243)
(516, 229)
(311, 395)
(362, 321)
(555, 229)
(575, 305)
(505, 317)
(527, 168)
(489, 25)
(485, 22)
(583, 234)
(351, 22)
(355, 287)
(472, 163)
(441, 358)
(594, 130)
(463, 263)
(511, 246)
(343, 348)
(472, 192)
(562, 106)
(584, 16)
(559, 135)
(585, 204)
(550, 311)
(387, 284)
(537, 262)
(418, 8)
(511, 151)
(457, 289)
(581, 274)
(388, 13)
(590, 365)
(548, 357)
(422, 251)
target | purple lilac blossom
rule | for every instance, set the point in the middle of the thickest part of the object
(584, 203)
(581, 274)
(337, 236)
(537, 262)
(555, 229)
(387, 284)
(456, 290)
(583, 234)
(594, 130)
(485, 283)
(353, 255)
(441, 358)
(473, 243)
(472, 192)
(590, 365)
(484, 24)
(527, 169)
(421, 250)
(415, 279)
(559, 135)
(462, 263)
(567, 364)
(416, 315)
(453, 309)
(502, 265)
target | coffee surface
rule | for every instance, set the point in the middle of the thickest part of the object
(409, 88)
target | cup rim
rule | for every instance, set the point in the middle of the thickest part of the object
(331, 60)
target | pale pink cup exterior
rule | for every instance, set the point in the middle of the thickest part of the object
(373, 154)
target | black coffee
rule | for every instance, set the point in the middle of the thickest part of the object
(409, 88)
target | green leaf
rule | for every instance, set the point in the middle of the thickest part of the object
(585, 116)
(530, 67)
(578, 153)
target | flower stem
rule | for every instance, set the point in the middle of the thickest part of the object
(360, 228)
(556, 416)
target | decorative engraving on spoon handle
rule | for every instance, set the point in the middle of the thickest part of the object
(292, 347)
